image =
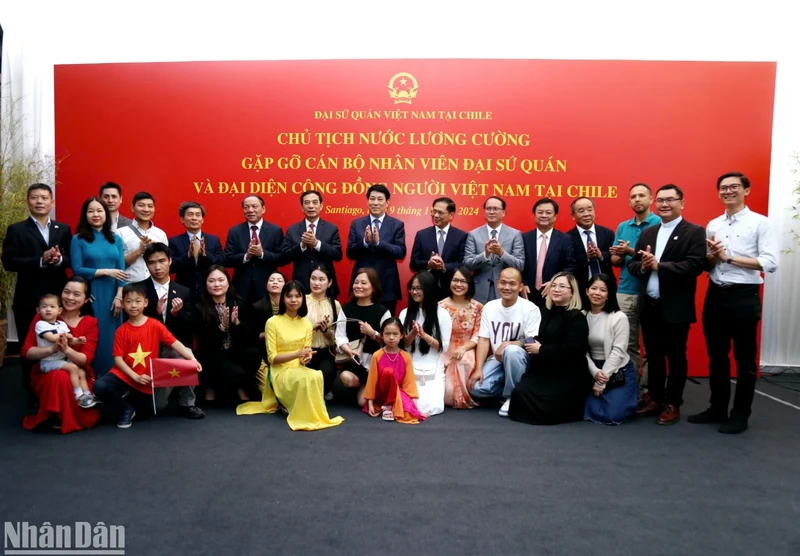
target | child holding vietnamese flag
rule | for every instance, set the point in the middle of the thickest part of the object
(135, 342)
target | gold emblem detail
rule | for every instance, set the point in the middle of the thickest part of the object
(403, 88)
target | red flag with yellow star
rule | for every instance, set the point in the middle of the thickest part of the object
(173, 372)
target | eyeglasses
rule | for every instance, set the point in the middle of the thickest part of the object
(458, 281)
(560, 287)
(731, 188)
(667, 201)
(414, 289)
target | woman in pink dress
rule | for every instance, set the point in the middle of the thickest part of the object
(460, 357)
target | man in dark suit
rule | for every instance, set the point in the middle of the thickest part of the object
(37, 249)
(253, 250)
(194, 251)
(590, 244)
(378, 241)
(440, 248)
(170, 303)
(669, 258)
(312, 242)
(553, 244)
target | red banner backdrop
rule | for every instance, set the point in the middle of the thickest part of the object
(522, 129)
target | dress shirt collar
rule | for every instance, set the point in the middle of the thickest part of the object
(46, 224)
(379, 218)
(582, 231)
(489, 230)
(316, 224)
(738, 216)
(670, 225)
(191, 235)
(446, 229)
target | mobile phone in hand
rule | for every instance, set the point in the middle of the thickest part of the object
(530, 340)
(357, 360)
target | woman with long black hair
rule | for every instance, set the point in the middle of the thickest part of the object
(223, 337)
(427, 328)
(323, 310)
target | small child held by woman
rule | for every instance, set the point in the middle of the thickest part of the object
(48, 333)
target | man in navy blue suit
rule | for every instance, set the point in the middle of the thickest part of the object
(547, 251)
(440, 248)
(312, 242)
(194, 251)
(591, 244)
(253, 249)
(378, 241)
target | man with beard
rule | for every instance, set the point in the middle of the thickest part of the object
(640, 197)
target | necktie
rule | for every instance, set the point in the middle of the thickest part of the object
(377, 224)
(195, 248)
(540, 262)
(440, 243)
(255, 235)
(594, 266)
(311, 227)
(494, 234)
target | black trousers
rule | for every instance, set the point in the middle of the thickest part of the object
(731, 314)
(118, 396)
(23, 317)
(665, 343)
(324, 361)
(227, 371)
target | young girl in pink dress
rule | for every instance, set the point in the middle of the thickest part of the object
(391, 389)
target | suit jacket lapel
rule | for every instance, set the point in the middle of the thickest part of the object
(33, 227)
(673, 238)
(448, 240)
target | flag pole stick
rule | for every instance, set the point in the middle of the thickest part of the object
(152, 387)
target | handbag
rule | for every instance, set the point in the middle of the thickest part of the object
(617, 379)
(357, 346)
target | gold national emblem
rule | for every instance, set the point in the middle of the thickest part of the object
(403, 88)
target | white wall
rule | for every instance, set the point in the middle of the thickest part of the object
(41, 34)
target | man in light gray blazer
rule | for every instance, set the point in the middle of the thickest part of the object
(491, 248)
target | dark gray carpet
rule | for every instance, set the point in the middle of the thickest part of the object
(466, 482)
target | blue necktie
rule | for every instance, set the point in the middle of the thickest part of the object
(594, 265)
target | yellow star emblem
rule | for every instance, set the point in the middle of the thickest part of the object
(138, 356)
(174, 374)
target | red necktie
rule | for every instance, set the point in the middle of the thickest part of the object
(255, 235)
(311, 227)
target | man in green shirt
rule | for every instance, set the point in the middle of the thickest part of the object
(640, 197)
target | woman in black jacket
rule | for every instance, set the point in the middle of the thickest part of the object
(555, 385)
(223, 338)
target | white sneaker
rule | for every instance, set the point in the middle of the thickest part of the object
(504, 409)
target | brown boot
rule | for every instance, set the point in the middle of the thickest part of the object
(648, 409)
(669, 416)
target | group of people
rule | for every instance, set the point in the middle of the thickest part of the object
(534, 322)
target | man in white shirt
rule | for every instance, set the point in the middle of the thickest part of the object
(139, 234)
(741, 246)
(507, 325)
(111, 195)
(491, 248)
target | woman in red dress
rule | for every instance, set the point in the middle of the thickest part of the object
(54, 390)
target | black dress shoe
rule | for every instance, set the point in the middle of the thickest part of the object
(192, 412)
(733, 426)
(709, 416)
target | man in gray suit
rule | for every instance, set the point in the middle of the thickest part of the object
(491, 248)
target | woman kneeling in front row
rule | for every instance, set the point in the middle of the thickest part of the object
(614, 396)
(555, 385)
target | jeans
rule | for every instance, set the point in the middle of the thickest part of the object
(501, 378)
(118, 396)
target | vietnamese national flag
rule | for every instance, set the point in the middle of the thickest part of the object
(173, 372)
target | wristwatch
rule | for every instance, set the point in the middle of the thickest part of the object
(730, 260)
(376, 335)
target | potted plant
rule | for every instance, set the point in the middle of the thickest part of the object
(19, 168)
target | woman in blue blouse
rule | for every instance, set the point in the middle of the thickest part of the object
(97, 255)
